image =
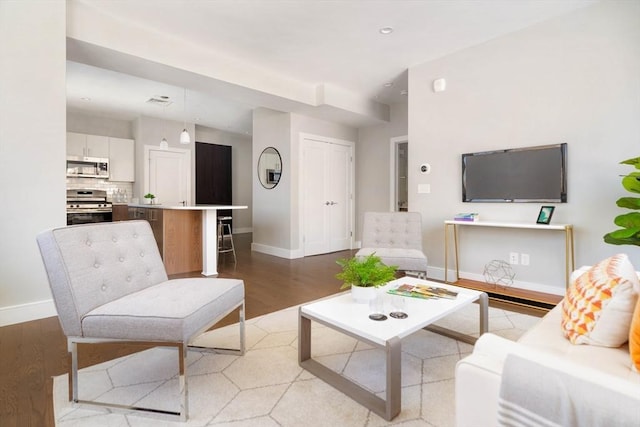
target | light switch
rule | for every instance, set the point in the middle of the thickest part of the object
(424, 188)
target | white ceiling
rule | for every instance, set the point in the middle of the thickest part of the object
(310, 41)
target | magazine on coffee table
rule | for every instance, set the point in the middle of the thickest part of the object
(422, 291)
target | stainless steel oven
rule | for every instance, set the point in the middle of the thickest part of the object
(88, 206)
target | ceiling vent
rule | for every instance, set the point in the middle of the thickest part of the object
(162, 101)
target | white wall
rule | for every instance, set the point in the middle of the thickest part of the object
(575, 79)
(32, 150)
(271, 207)
(94, 125)
(242, 172)
(373, 162)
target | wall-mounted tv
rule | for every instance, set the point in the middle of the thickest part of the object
(530, 174)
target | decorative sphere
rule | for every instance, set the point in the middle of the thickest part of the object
(499, 272)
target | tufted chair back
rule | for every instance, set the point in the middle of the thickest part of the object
(89, 267)
(401, 230)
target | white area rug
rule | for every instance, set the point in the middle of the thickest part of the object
(266, 387)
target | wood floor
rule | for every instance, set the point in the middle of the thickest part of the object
(32, 353)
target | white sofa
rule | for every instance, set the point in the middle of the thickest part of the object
(596, 373)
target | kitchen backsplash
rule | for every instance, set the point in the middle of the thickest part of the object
(115, 190)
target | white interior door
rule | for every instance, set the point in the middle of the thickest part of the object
(327, 189)
(169, 176)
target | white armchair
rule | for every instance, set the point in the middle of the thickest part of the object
(109, 285)
(396, 237)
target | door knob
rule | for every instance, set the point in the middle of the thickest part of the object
(327, 203)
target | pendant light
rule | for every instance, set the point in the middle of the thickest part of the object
(184, 136)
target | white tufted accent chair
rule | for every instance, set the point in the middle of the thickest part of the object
(396, 237)
(109, 285)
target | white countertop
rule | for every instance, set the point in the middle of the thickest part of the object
(188, 207)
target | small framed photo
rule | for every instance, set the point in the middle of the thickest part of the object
(544, 217)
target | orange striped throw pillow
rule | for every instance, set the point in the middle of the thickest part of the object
(634, 339)
(599, 304)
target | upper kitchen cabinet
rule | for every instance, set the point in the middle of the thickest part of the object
(121, 159)
(82, 145)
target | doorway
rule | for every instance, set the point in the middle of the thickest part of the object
(168, 175)
(327, 194)
(399, 183)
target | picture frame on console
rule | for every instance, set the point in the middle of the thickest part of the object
(544, 216)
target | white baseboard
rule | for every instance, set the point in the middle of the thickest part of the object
(242, 230)
(27, 312)
(279, 252)
(438, 273)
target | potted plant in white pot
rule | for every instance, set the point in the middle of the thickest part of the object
(150, 197)
(364, 275)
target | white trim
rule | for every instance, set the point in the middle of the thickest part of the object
(279, 252)
(393, 166)
(242, 230)
(301, 137)
(27, 312)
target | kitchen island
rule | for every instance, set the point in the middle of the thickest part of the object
(187, 236)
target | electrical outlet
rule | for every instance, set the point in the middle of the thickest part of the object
(513, 258)
(524, 259)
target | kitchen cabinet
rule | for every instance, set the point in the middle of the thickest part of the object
(82, 145)
(120, 213)
(121, 159)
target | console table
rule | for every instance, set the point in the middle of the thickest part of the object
(451, 227)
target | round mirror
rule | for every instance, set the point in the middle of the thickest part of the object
(269, 167)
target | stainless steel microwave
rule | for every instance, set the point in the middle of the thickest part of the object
(87, 167)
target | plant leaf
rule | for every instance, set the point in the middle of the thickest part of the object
(629, 202)
(617, 238)
(634, 162)
(631, 182)
(628, 220)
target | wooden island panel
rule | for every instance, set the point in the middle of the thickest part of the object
(178, 234)
(182, 231)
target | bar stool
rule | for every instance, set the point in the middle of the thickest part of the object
(225, 238)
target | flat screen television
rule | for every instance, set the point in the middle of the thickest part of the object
(530, 174)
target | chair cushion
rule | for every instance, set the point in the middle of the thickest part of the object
(392, 230)
(405, 259)
(176, 310)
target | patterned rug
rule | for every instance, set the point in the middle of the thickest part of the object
(266, 387)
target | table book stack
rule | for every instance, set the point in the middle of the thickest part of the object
(470, 217)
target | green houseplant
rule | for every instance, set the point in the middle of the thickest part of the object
(150, 197)
(367, 271)
(629, 234)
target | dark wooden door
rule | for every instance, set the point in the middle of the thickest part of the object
(213, 175)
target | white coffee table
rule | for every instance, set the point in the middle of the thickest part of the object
(344, 315)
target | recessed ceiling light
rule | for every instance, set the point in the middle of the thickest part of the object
(86, 98)
(388, 84)
(404, 92)
(386, 30)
